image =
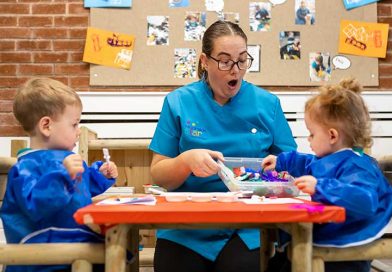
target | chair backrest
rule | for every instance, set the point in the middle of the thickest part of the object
(386, 166)
(5, 164)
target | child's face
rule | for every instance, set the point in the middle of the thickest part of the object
(64, 130)
(319, 137)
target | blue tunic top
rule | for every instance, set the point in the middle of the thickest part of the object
(41, 199)
(352, 181)
(251, 124)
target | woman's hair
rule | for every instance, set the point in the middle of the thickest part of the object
(341, 106)
(41, 97)
(215, 31)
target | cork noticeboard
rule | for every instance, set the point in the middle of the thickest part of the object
(154, 65)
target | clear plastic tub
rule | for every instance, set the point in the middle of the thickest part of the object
(261, 188)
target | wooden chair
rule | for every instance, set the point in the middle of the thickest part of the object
(133, 160)
(378, 249)
(80, 255)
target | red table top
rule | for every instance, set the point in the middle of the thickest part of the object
(207, 213)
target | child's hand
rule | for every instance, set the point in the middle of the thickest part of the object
(269, 162)
(306, 184)
(74, 165)
(109, 170)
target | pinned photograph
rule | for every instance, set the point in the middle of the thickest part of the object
(107, 3)
(157, 30)
(185, 63)
(194, 26)
(233, 17)
(259, 16)
(305, 11)
(254, 51)
(178, 3)
(214, 5)
(290, 45)
(320, 66)
(108, 48)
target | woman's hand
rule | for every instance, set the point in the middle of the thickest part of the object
(202, 162)
(306, 184)
(109, 170)
(74, 165)
(269, 162)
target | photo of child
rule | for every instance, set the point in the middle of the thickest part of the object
(259, 16)
(290, 45)
(320, 66)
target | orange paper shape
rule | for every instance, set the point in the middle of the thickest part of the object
(363, 39)
(108, 48)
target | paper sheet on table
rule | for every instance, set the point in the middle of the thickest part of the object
(143, 200)
(261, 200)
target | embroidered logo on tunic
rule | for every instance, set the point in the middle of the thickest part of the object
(194, 129)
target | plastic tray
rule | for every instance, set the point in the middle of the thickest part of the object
(261, 188)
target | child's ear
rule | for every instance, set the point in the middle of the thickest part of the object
(333, 135)
(44, 125)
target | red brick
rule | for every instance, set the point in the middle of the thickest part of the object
(7, 69)
(31, 21)
(68, 45)
(79, 82)
(77, 9)
(36, 69)
(6, 106)
(12, 32)
(71, 21)
(384, 10)
(7, 21)
(7, 94)
(14, 9)
(77, 33)
(75, 57)
(72, 69)
(51, 33)
(48, 8)
(11, 82)
(385, 70)
(385, 20)
(50, 57)
(386, 83)
(15, 57)
(13, 130)
(7, 119)
(7, 45)
(34, 45)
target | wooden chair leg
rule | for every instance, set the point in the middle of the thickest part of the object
(82, 266)
(317, 264)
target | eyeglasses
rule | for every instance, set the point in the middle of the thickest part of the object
(227, 65)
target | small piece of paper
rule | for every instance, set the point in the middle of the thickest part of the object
(143, 200)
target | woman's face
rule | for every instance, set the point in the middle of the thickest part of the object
(225, 84)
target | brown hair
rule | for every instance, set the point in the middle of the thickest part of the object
(343, 107)
(215, 31)
(41, 97)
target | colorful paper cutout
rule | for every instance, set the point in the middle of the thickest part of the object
(107, 3)
(350, 4)
(363, 38)
(108, 48)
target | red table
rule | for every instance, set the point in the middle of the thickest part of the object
(295, 218)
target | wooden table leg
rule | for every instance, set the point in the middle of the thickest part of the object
(133, 247)
(116, 248)
(302, 239)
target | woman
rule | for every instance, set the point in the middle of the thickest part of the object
(219, 115)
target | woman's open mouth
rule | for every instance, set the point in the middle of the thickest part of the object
(233, 83)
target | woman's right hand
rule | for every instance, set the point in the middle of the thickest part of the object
(202, 162)
(269, 162)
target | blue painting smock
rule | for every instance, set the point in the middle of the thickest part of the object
(350, 180)
(251, 124)
(41, 199)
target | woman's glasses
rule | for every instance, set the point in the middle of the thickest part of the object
(227, 65)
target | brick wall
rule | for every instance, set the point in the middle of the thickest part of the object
(46, 38)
